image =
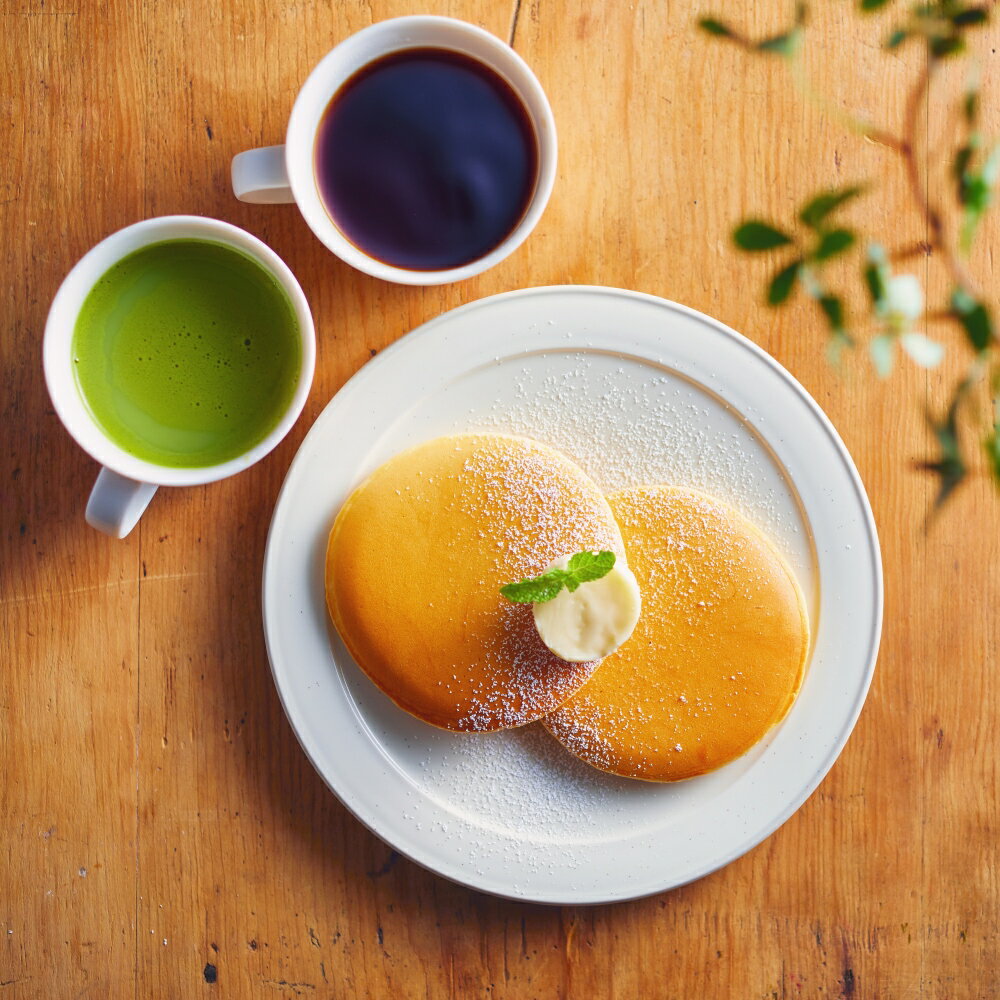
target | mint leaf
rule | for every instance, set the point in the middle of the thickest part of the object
(587, 566)
(536, 590)
(582, 568)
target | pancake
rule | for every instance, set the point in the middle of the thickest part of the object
(414, 565)
(717, 656)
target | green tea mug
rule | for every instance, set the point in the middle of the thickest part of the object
(126, 482)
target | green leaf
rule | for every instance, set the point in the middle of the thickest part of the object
(783, 283)
(967, 232)
(786, 44)
(975, 319)
(836, 241)
(896, 39)
(587, 566)
(969, 17)
(958, 168)
(942, 46)
(971, 106)
(875, 280)
(949, 467)
(714, 27)
(950, 471)
(754, 236)
(833, 309)
(869, 5)
(992, 446)
(536, 590)
(816, 210)
(582, 568)
(975, 192)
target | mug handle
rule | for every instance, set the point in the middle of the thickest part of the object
(259, 176)
(116, 503)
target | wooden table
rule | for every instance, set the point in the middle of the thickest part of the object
(163, 834)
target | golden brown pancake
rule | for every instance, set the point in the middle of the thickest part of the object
(414, 565)
(717, 656)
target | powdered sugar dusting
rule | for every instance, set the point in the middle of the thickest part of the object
(519, 783)
(626, 422)
(537, 507)
(633, 428)
(507, 507)
(491, 772)
(523, 680)
(695, 688)
(536, 503)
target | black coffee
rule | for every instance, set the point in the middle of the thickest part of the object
(426, 159)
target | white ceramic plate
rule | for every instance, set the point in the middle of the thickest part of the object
(636, 389)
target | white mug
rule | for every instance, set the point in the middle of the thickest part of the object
(126, 484)
(283, 174)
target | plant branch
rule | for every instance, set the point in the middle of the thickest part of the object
(919, 249)
(937, 235)
(851, 122)
(906, 147)
(882, 138)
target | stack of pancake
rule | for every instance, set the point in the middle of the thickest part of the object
(420, 550)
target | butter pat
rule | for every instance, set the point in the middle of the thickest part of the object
(593, 620)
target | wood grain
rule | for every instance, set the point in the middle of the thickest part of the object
(163, 834)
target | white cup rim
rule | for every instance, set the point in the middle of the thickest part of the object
(57, 355)
(359, 50)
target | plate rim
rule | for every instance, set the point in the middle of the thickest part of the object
(407, 341)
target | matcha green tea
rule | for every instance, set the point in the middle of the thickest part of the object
(187, 353)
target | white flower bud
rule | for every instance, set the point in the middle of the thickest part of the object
(904, 300)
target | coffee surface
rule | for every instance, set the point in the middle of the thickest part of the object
(426, 159)
(187, 353)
